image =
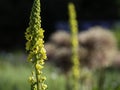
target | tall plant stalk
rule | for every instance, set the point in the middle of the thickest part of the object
(35, 47)
(74, 41)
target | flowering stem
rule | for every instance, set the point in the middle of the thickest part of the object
(35, 47)
(74, 42)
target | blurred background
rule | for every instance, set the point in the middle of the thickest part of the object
(14, 19)
(15, 14)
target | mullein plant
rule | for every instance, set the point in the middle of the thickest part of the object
(35, 47)
(75, 46)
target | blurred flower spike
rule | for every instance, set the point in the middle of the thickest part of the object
(75, 46)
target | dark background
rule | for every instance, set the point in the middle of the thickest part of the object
(14, 17)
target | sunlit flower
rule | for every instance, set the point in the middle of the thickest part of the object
(44, 86)
(35, 46)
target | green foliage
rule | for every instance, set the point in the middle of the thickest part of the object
(111, 80)
(14, 77)
(55, 80)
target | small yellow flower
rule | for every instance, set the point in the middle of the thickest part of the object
(38, 66)
(39, 42)
(41, 62)
(28, 44)
(30, 56)
(31, 79)
(43, 78)
(39, 72)
(35, 49)
(43, 53)
(29, 37)
(44, 86)
(41, 33)
(43, 50)
(27, 32)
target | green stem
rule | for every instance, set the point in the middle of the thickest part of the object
(101, 79)
(37, 80)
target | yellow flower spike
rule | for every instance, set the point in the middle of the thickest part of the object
(35, 44)
(74, 41)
